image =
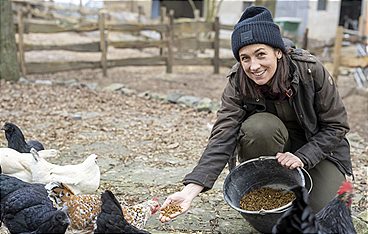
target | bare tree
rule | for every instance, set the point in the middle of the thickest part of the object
(212, 8)
(9, 68)
(191, 2)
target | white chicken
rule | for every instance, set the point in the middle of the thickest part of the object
(18, 164)
(49, 153)
(81, 178)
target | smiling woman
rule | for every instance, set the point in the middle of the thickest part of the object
(277, 102)
(259, 62)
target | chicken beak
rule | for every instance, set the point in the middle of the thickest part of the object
(67, 221)
(65, 209)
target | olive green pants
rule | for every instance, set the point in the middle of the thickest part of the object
(264, 134)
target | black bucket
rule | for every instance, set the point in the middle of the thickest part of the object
(257, 173)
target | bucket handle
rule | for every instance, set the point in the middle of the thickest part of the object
(261, 158)
(309, 177)
(266, 157)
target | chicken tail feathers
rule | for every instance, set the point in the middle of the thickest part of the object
(111, 218)
(109, 196)
(36, 145)
(299, 218)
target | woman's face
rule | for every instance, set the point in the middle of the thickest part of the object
(259, 62)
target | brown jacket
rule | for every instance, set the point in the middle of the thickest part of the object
(317, 104)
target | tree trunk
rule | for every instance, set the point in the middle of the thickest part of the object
(9, 68)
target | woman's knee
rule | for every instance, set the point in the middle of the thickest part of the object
(327, 178)
(261, 134)
(263, 127)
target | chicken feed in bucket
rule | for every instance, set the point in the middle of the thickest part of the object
(263, 173)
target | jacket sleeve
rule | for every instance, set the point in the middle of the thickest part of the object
(331, 117)
(222, 141)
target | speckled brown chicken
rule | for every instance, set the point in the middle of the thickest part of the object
(84, 209)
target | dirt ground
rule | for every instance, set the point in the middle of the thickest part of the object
(201, 82)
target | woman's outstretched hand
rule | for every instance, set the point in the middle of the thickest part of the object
(183, 199)
(177, 198)
(289, 160)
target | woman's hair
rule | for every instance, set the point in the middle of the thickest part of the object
(279, 84)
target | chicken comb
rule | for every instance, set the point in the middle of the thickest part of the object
(346, 187)
(155, 199)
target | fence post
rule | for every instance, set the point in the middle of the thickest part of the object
(197, 33)
(337, 52)
(170, 41)
(103, 42)
(28, 10)
(80, 10)
(20, 42)
(216, 43)
(162, 21)
(140, 13)
(197, 15)
(305, 39)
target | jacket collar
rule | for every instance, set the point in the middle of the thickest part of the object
(295, 76)
(233, 70)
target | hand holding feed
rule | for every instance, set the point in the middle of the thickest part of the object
(179, 201)
(289, 160)
(176, 199)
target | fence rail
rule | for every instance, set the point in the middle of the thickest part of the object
(175, 36)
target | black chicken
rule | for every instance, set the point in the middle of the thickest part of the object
(26, 208)
(111, 218)
(335, 217)
(16, 139)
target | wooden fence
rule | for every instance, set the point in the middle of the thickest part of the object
(176, 36)
(172, 41)
(346, 60)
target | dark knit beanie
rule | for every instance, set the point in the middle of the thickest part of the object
(256, 26)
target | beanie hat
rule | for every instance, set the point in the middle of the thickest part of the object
(256, 26)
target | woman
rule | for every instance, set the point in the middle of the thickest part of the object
(275, 103)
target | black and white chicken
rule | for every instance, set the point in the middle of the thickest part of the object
(16, 139)
(26, 208)
(335, 217)
(111, 218)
